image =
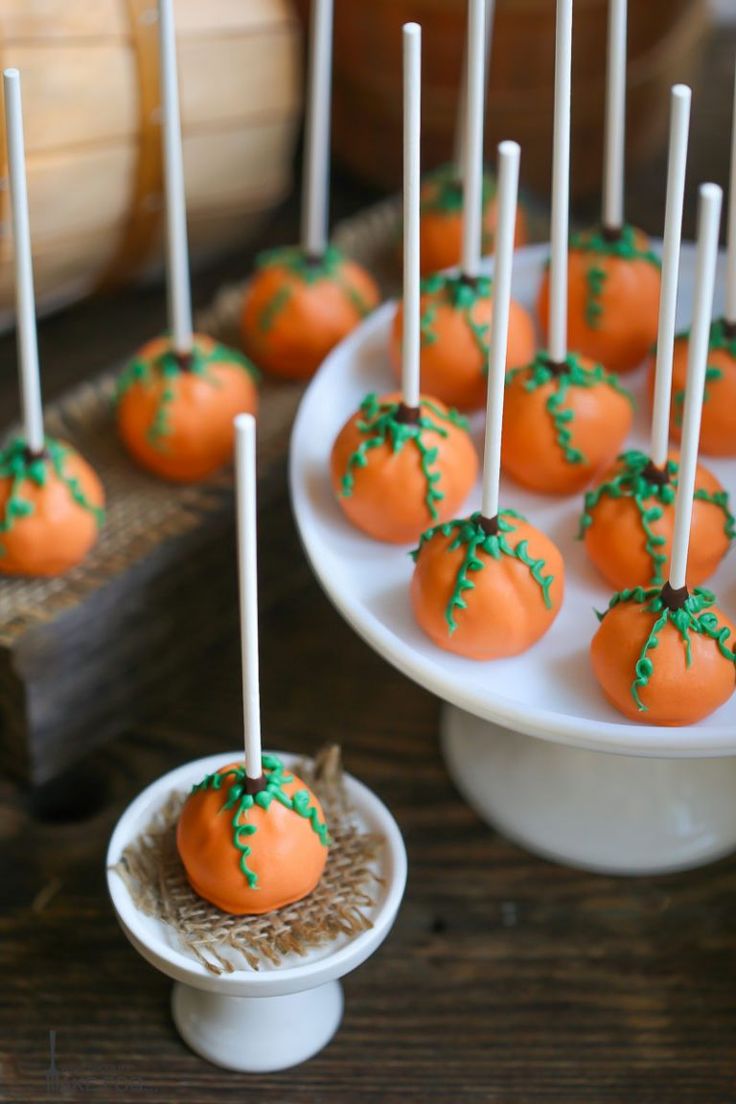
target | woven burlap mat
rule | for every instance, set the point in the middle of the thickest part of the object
(338, 908)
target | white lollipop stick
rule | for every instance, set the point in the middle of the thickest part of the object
(709, 215)
(315, 185)
(245, 471)
(730, 313)
(473, 170)
(460, 123)
(679, 127)
(410, 350)
(560, 185)
(30, 383)
(177, 252)
(615, 127)
(508, 187)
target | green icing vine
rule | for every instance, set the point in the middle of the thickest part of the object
(380, 425)
(17, 465)
(623, 246)
(649, 496)
(693, 617)
(471, 536)
(167, 366)
(463, 295)
(242, 802)
(575, 375)
(310, 270)
(718, 339)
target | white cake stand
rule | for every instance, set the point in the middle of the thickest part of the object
(279, 1016)
(530, 742)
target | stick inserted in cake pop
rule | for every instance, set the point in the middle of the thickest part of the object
(177, 253)
(615, 126)
(730, 311)
(679, 127)
(30, 384)
(560, 184)
(245, 472)
(508, 187)
(461, 121)
(473, 151)
(709, 216)
(412, 55)
(315, 185)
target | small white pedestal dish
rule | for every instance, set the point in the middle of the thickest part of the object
(276, 1017)
(530, 742)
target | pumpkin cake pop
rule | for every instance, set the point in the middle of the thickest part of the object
(628, 518)
(304, 299)
(252, 838)
(566, 417)
(666, 654)
(490, 585)
(613, 282)
(179, 395)
(456, 309)
(51, 501)
(404, 461)
(175, 410)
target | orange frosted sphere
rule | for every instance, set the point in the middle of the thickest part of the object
(441, 220)
(51, 509)
(718, 424)
(612, 298)
(641, 661)
(484, 595)
(562, 426)
(628, 523)
(296, 310)
(456, 318)
(394, 478)
(175, 414)
(250, 854)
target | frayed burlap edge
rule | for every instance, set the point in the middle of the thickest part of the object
(153, 873)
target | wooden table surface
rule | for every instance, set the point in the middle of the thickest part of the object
(506, 979)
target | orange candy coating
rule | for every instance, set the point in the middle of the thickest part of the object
(286, 855)
(441, 223)
(46, 530)
(718, 425)
(506, 611)
(617, 325)
(295, 312)
(531, 452)
(453, 358)
(676, 693)
(616, 540)
(194, 408)
(388, 499)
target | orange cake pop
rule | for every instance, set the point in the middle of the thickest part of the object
(51, 508)
(613, 297)
(175, 411)
(628, 522)
(563, 423)
(395, 469)
(663, 656)
(298, 307)
(718, 429)
(456, 314)
(252, 852)
(442, 219)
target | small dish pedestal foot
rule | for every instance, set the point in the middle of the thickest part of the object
(257, 1034)
(613, 813)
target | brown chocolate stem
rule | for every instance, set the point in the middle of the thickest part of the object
(557, 367)
(673, 598)
(184, 360)
(653, 474)
(611, 233)
(407, 415)
(253, 786)
(468, 281)
(31, 455)
(729, 329)
(489, 525)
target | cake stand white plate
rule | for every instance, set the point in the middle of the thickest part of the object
(530, 742)
(278, 1016)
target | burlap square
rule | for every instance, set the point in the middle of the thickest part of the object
(154, 875)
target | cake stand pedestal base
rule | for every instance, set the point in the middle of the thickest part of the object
(618, 814)
(257, 1034)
